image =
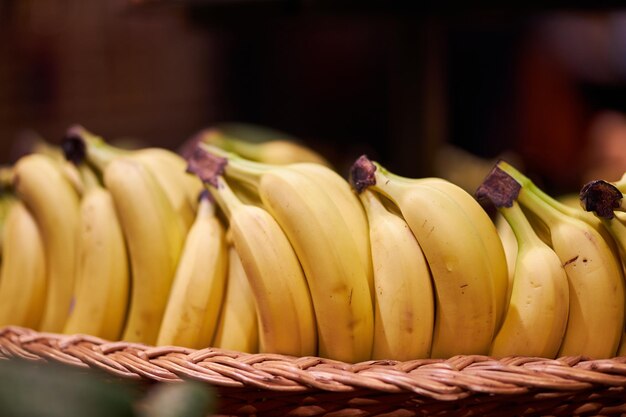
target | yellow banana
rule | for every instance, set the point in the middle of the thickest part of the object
(102, 269)
(596, 282)
(198, 290)
(23, 271)
(509, 242)
(272, 268)
(465, 317)
(603, 198)
(330, 250)
(273, 150)
(404, 310)
(55, 205)
(168, 168)
(154, 237)
(237, 327)
(536, 318)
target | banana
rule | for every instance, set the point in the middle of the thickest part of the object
(275, 151)
(198, 290)
(536, 318)
(602, 198)
(6, 201)
(237, 327)
(23, 271)
(154, 237)
(596, 282)
(168, 168)
(102, 269)
(330, 251)
(465, 316)
(271, 265)
(489, 237)
(55, 205)
(404, 302)
(509, 242)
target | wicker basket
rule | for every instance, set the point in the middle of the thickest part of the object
(266, 384)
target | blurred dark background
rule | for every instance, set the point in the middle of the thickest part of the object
(426, 89)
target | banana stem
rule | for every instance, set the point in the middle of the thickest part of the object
(523, 230)
(544, 211)
(224, 196)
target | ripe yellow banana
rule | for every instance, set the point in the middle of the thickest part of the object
(23, 271)
(6, 201)
(168, 168)
(465, 317)
(154, 237)
(272, 268)
(536, 318)
(102, 269)
(276, 151)
(330, 250)
(509, 242)
(404, 310)
(237, 328)
(55, 205)
(606, 201)
(596, 282)
(198, 290)
(489, 237)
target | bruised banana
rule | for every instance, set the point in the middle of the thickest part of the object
(403, 297)
(465, 316)
(55, 205)
(23, 270)
(198, 290)
(154, 237)
(102, 269)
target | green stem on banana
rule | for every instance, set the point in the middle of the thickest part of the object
(80, 145)
(224, 196)
(523, 230)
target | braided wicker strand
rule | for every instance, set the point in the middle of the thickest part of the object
(271, 384)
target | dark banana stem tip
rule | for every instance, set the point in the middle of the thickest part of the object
(207, 166)
(74, 149)
(499, 188)
(362, 174)
(600, 197)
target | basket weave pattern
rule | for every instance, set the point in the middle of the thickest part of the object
(272, 384)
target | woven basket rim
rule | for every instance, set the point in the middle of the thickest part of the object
(449, 379)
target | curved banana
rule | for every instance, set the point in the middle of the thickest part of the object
(330, 250)
(275, 151)
(154, 236)
(196, 296)
(465, 317)
(606, 201)
(596, 312)
(489, 237)
(23, 271)
(168, 168)
(55, 205)
(536, 318)
(237, 327)
(102, 269)
(274, 273)
(509, 242)
(404, 307)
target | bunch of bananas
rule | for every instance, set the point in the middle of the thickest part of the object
(227, 248)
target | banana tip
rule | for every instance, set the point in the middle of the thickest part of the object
(362, 174)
